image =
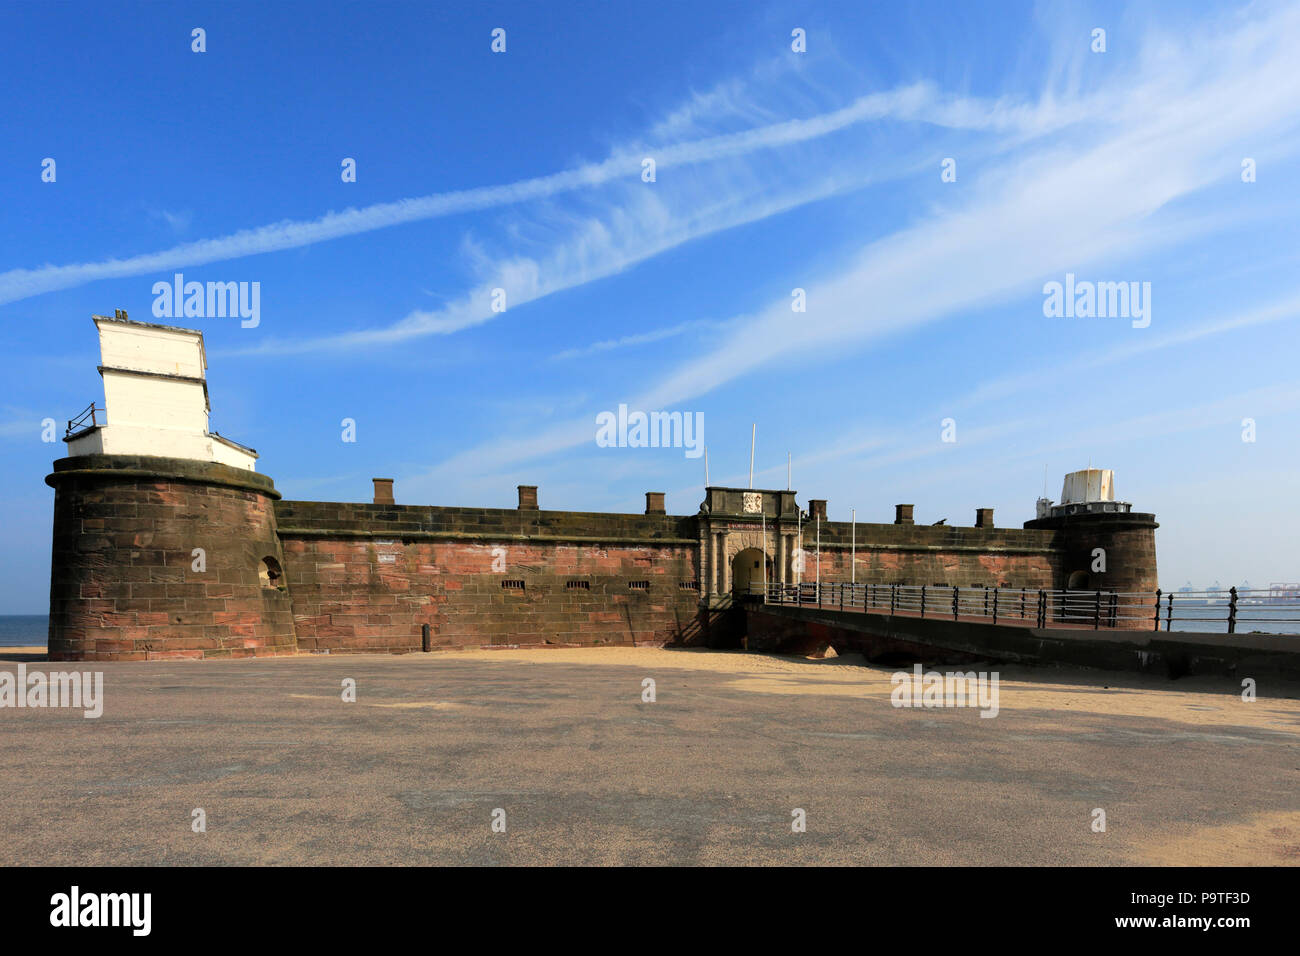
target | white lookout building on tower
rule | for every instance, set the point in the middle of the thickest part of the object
(155, 398)
(1088, 491)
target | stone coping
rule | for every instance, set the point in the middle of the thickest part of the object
(391, 534)
(149, 467)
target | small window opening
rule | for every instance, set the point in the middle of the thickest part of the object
(269, 573)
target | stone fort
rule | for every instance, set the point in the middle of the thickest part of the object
(168, 543)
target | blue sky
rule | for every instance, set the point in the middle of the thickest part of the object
(775, 170)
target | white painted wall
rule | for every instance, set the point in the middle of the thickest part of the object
(233, 457)
(154, 414)
(149, 348)
(155, 402)
(1090, 484)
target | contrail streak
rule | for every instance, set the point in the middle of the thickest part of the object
(917, 102)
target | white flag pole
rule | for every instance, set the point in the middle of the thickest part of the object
(752, 436)
(819, 557)
(798, 547)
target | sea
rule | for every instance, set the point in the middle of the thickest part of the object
(24, 630)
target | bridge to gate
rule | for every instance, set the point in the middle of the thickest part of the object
(895, 624)
(1233, 610)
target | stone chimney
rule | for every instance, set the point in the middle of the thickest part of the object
(983, 517)
(903, 514)
(654, 503)
(383, 491)
(817, 508)
(527, 497)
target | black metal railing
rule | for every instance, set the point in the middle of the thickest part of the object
(1233, 610)
(86, 420)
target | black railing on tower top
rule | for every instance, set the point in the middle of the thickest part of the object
(80, 422)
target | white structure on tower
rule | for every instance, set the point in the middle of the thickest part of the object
(155, 398)
(1087, 491)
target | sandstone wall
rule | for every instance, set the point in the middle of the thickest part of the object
(298, 576)
(124, 584)
(367, 577)
(934, 555)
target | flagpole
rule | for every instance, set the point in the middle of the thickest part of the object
(819, 557)
(752, 436)
(798, 547)
(853, 550)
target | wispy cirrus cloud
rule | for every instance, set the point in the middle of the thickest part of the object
(1166, 130)
(1286, 309)
(631, 341)
(179, 222)
(637, 227)
(916, 103)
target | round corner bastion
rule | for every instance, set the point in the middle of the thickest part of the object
(161, 558)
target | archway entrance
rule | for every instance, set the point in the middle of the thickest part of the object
(747, 573)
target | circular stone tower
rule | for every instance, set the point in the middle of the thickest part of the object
(159, 558)
(165, 540)
(1102, 544)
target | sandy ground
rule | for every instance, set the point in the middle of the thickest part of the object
(1204, 704)
(587, 772)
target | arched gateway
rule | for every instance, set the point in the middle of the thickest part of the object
(738, 526)
(748, 576)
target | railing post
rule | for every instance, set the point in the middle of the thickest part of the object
(893, 598)
(986, 601)
(1158, 593)
(995, 605)
(954, 602)
(1112, 615)
(1042, 608)
(1096, 612)
(841, 596)
(1022, 604)
(1232, 610)
(922, 600)
(1169, 613)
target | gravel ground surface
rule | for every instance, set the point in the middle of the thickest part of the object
(585, 771)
